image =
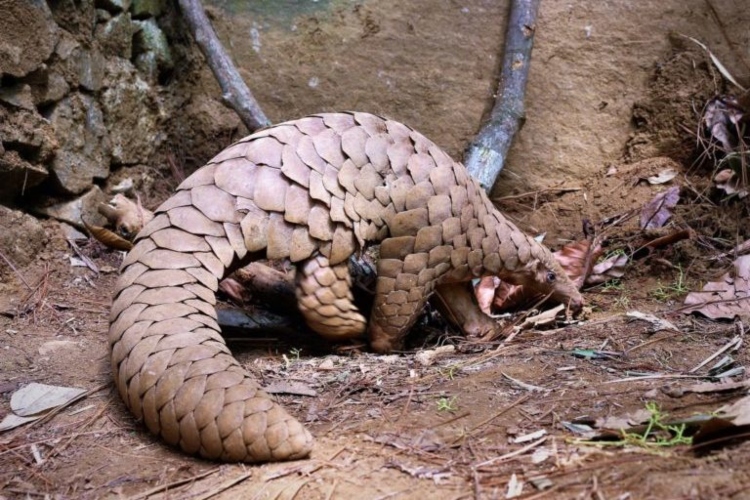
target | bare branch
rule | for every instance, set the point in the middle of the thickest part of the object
(235, 92)
(485, 156)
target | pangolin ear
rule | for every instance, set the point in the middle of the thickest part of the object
(535, 266)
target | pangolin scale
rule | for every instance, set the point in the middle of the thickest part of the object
(313, 191)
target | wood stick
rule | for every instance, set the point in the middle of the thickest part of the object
(235, 92)
(485, 156)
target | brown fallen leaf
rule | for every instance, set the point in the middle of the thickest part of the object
(485, 293)
(725, 298)
(657, 212)
(739, 411)
(728, 181)
(235, 291)
(578, 258)
(611, 268)
(496, 296)
(721, 121)
(718, 433)
(107, 237)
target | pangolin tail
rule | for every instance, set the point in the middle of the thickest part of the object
(171, 365)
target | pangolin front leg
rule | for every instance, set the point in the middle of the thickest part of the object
(325, 299)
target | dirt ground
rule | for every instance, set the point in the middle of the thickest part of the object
(613, 96)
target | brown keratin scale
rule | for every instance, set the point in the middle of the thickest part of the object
(314, 191)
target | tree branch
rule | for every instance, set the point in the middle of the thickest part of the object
(485, 156)
(234, 91)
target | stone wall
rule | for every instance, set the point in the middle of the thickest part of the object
(79, 93)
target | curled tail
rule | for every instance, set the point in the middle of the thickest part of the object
(171, 365)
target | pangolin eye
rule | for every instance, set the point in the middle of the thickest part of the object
(124, 231)
(551, 277)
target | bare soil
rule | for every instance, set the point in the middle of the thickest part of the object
(611, 101)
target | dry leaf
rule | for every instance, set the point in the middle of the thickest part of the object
(286, 387)
(739, 411)
(663, 177)
(575, 256)
(728, 181)
(485, 293)
(234, 290)
(495, 296)
(611, 268)
(12, 421)
(515, 487)
(108, 238)
(34, 400)
(657, 324)
(721, 119)
(38, 398)
(726, 298)
(428, 358)
(657, 212)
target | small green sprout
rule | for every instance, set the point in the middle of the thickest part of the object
(446, 404)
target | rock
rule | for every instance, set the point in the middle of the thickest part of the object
(102, 16)
(147, 8)
(132, 114)
(28, 133)
(55, 90)
(116, 36)
(71, 211)
(56, 345)
(71, 233)
(147, 65)
(28, 35)
(90, 68)
(18, 176)
(22, 237)
(18, 95)
(114, 6)
(66, 46)
(150, 38)
(84, 153)
(46, 86)
(28, 143)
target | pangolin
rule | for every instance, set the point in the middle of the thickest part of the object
(314, 191)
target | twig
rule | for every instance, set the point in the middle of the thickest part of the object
(486, 421)
(226, 485)
(485, 156)
(451, 420)
(59, 449)
(174, 484)
(669, 239)
(740, 249)
(536, 193)
(329, 496)
(659, 376)
(89, 263)
(512, 454)
(235, 92)
(15, 270)
(524, 385)
(735, 342)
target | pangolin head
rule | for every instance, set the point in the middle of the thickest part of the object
(543, 275)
